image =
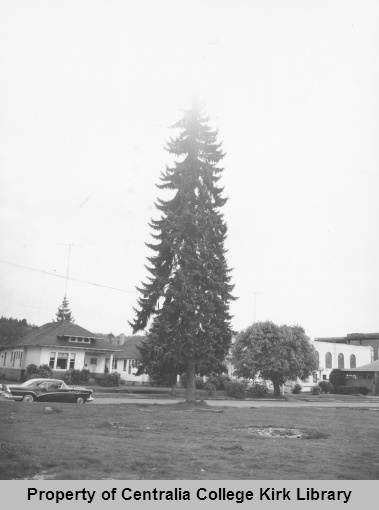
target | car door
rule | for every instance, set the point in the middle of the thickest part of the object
(41, 392)
(64, 394)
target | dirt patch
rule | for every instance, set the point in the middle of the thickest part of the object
(283, 433)
(192, 405)
(42, 476)
(233, 450)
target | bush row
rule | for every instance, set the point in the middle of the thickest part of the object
(351, 390)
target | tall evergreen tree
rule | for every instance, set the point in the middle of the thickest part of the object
(188, 292)
(162, 368)
(64, 312)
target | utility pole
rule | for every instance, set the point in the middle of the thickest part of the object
(68, 262)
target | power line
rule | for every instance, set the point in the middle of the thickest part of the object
(66, 277)
(29, 306)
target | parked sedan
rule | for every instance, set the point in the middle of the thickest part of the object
(49, 390)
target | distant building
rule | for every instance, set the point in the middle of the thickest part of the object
(366, 375)
(333, 355)
(125, 360)
(371, 339)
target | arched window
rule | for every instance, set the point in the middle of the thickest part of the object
(318, 359)
(341, 361)
(353, 361)
(328, 360)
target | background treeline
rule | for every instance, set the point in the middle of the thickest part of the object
(13, 329)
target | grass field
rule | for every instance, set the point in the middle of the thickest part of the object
(130, 441)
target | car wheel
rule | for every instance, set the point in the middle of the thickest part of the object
(28, 398)
(80, 400)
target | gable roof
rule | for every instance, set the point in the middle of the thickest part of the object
(371, 367)
(53, 333)
(129, 347)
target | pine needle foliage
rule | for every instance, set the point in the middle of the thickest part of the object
(188, 291)
(64, 312)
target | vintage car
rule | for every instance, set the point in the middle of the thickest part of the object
(49, 390)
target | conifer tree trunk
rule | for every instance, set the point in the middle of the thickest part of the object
(191, 381)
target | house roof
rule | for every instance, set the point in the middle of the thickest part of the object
(129, 347)
(349, 337)
(53, 335)
(371, 367)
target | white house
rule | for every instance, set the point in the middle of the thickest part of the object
(125, 360)
(61, 345)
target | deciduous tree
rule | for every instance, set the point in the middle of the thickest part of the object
(275, 353)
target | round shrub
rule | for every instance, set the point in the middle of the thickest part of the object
(337, 378)
(77, 376)
(326, 387)
(210, 388)
(297, 389)
(236, 389)
(43, 371)
(219, 381)
(316, 390)
(257, 390)
(111, 380)
(31, 370)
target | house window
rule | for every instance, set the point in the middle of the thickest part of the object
(93, 361)
(341, 361)
(17, 358)
(79, 339)
(62, 360)
(114, 364)
(72, 360)
(52, 360)
(125, 361)
(328, 360)
(353, 361)
(324, 377)
(132, 364)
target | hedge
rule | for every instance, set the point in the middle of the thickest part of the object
(351, 390)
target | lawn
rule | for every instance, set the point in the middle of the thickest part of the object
(167, 442)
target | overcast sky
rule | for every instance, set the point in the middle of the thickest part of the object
(88, 92)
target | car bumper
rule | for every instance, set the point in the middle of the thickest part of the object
(89, 399)
(6, 396)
